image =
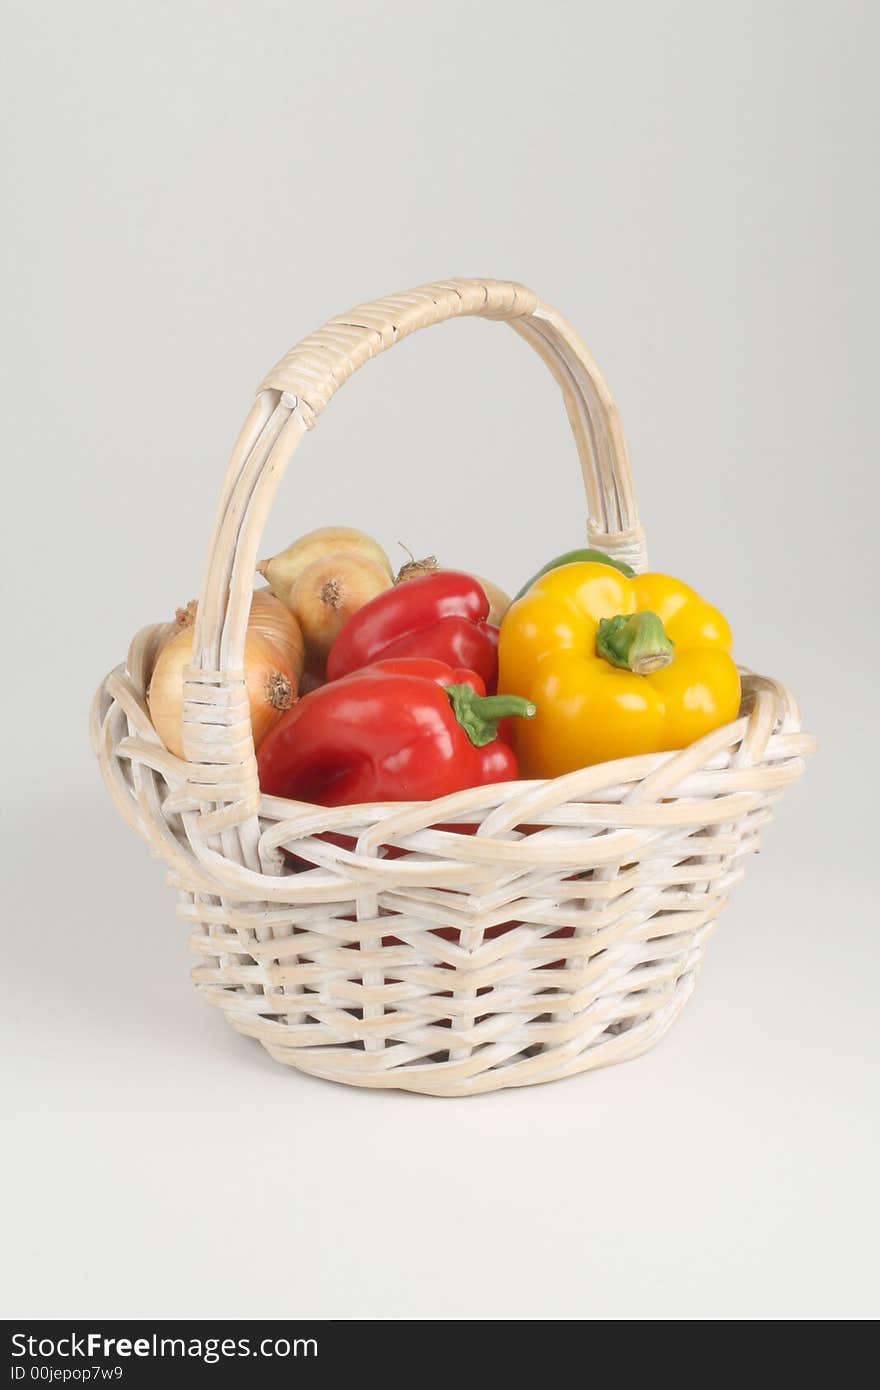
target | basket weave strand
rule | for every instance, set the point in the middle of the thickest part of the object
(502, 936)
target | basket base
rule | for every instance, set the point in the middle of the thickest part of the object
(472, 1077)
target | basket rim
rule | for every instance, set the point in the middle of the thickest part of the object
(642, 788)
(791, 719)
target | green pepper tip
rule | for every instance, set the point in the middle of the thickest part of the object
(572, 557)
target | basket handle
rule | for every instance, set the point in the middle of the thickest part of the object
(216, 729)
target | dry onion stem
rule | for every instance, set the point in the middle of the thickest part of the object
(413, 568)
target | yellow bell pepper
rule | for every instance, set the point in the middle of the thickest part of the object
(615, 666)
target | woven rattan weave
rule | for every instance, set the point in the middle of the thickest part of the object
(520, 932)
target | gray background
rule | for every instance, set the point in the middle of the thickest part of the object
(189, 188)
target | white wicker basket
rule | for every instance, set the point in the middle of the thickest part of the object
(440, 969)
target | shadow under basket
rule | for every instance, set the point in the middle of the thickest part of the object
(502, 936)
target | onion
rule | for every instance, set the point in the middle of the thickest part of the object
(271, 686)
(328, 592)
(267, 615)
(284, 568)
(275, 621)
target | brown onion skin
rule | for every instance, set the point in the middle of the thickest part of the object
(271, 687)
(275, 621)
(328, 592)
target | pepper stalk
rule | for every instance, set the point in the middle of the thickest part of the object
(635, 641)
(479, 715)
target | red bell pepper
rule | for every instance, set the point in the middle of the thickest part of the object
(405, 730)
(440, 615)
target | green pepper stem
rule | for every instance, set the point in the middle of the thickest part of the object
(635, 641)
(478, 715)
